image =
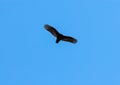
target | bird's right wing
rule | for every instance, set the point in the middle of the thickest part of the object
(52, 30)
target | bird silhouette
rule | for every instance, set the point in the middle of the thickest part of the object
(58, 35)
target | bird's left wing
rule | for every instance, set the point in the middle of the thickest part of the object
(69, 39)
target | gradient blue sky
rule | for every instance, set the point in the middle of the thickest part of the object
(30, 56)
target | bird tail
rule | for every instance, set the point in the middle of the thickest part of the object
(57, 40)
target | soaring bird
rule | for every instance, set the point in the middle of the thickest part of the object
(58, 35)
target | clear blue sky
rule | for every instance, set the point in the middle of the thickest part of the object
(30, 56)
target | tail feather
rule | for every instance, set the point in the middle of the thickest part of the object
(57, 40)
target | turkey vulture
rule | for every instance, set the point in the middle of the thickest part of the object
(59, 36)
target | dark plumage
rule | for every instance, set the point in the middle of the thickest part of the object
(59, 36)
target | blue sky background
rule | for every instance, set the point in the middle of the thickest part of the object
(30, 56)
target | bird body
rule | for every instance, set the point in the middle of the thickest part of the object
(59, 36)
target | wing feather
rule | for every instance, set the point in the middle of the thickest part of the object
(52, 30)
(69, 39)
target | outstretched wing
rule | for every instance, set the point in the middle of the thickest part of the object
(69, 39)
(52, 30)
